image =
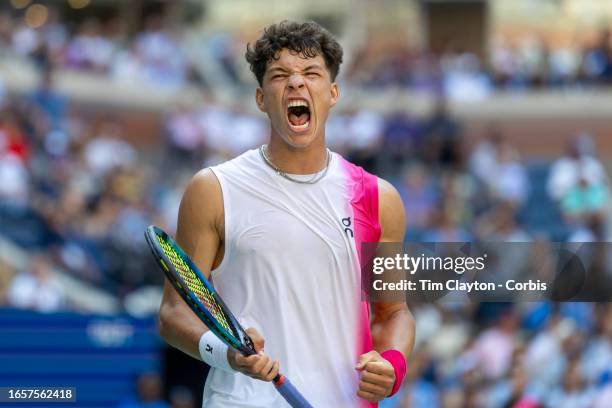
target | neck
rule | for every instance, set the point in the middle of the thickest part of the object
(295, 160)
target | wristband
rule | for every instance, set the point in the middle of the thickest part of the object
(397, 360)
(214, 352)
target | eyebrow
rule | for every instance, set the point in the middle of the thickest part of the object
(314, 66)
(272, 70)
(308, 68)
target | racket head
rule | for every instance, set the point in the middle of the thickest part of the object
(199, 294)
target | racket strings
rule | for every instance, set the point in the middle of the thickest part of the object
(195, 285)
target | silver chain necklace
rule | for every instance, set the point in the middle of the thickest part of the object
(315, 178)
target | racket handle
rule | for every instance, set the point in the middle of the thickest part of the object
(290, 393)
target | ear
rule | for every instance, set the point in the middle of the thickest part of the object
(335, 94)
(259, 99)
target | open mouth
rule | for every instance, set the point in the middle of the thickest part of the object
(298, 114)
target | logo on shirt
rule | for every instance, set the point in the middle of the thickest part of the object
(209, 348)
(348, 227)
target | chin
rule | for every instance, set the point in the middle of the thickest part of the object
(299, 141)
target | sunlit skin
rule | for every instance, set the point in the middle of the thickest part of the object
(293, 76)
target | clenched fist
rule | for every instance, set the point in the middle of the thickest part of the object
(377, 377)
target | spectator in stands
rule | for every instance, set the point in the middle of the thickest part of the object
(442, 137)
(336, 136)
(185, 136)
(565, 63)
(365, 128)
(584, 201)
(6, 276)
(401, 140)
(503, 173)
(425, 73)
(445, 225)
(55, 36)
(545, 352)
(181, 397)
(596, 361)
(483, 159)
(598, 60)
(108, 149)
(578, 182)
(127, 66)
(37, 288)
(6, 31)
(513, 391)
(494, 348)
(500, 224)
(578, 165)
(464, 80)
(89, 49)
(573, 393)
(247, 130)
(47, 102)
(13, 139)
(149, 388)
(163, 60)
(24, 39)
(14, 156)
(420, 195)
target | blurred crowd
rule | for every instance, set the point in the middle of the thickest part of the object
(77, 193)
(153, 55)
(526, 355)
(528, 63)
(156, 55)
(509, 64)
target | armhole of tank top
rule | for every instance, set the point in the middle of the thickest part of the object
(227, 210)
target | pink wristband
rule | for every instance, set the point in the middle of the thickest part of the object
(397, 360)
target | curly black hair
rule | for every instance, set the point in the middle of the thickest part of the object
(307, 39)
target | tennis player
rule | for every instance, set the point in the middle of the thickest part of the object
(279, 231)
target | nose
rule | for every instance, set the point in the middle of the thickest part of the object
(296, 81)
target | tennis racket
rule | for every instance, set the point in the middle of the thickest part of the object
(201, 296)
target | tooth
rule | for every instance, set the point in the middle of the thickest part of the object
(300, 127)
(297, 103)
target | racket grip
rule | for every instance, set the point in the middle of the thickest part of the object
(290, 393)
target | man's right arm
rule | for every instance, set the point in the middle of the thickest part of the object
(199, 232)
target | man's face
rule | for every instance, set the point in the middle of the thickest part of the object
(297, 94)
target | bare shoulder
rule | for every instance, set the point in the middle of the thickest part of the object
(204, 191)
(391, 212)
(201, 208)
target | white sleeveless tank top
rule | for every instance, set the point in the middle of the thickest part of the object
(291, 270)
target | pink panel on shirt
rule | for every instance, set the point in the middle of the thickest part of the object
(363, 190)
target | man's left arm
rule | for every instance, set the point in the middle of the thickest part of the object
(383, 368)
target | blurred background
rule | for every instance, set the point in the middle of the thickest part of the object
(492, 118)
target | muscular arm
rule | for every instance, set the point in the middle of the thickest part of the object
(199, 232)
(392, 322)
